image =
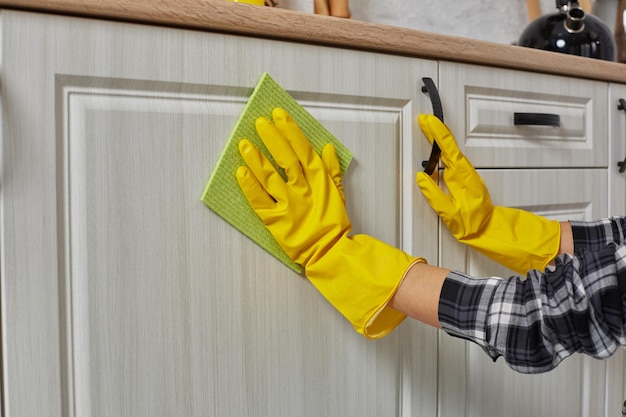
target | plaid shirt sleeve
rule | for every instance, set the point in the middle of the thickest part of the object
(536, 321)
(597, 234)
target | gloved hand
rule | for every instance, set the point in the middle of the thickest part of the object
(357, 274)
(515, 238)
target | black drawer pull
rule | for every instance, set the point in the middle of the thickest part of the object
(537, 119)
(430, 88)
(622, 164)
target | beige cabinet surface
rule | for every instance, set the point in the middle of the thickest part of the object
(123, 295)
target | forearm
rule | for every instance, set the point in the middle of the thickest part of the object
(418, 294)
(567, 240)
(534, 323)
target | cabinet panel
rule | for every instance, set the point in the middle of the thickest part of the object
(134, 298)
(577, 386)
(481, 103)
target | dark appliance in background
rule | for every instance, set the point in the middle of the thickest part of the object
(570, 31)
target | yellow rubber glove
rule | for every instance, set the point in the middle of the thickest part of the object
(515, 238)
(357, 274)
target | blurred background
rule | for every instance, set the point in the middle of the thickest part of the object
(489, 20)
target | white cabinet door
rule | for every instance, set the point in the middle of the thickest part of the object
(471, 384)
(123, 295)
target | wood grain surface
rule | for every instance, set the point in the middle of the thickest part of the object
(243, 19)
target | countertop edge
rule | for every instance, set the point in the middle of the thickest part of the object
(275, 23)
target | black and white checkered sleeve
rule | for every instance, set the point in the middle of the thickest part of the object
(536, 322)
(595, 235)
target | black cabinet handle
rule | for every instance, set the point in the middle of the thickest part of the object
(430, 88)
(622, 164)
(537, 119)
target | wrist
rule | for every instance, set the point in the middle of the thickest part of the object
(419, 292)
(567, 238)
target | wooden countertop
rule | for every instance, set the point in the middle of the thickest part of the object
(275, 23)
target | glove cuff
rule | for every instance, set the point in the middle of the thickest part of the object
(359, 276)
(518, 239)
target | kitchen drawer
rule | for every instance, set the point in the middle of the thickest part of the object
(480, 104)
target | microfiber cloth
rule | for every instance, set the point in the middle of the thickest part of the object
(222, 193)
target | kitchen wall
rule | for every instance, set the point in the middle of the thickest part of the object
(490, 20)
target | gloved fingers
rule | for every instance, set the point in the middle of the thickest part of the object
(310, 160)
(253, 190)
(280, 148)
(331, 162)
(436, 131)
(441, 202)
(459, 174)
(264, 171)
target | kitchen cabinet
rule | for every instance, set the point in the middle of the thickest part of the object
(123, 294)
(556, 171)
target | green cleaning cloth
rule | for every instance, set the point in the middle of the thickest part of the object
(222, 193)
